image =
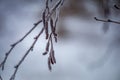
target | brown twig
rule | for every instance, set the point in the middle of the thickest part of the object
(108, 20)
(52, 53)
(51, 58)
(47, 45)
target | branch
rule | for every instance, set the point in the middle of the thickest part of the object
(117, 7)
(51, 56)
(1, 78)
(108, 20)
(2, 64)
(47, 15)
(59, 4)
(28, 51)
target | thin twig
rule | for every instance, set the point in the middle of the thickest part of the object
(2, 64)
(52, 52)
(51, 58)
(108, 20)
(60, 2)
(1, 78)
(6, 56)
(117, 7)
(28, 51)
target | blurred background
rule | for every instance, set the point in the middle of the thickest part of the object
(86, 49)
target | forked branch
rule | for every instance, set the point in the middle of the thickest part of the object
(47, 18)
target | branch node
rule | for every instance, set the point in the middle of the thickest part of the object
(12, 45)
(45, 53)
(95, 18)
(109, 20)
(16, 66)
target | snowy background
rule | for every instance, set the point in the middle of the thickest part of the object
(85, 53)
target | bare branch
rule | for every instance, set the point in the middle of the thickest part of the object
(14, 45)
(51, 59)
(23, 58)
(35, 25)
(47, 16)
(59, 4)
(108, 20)
(49, 64)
